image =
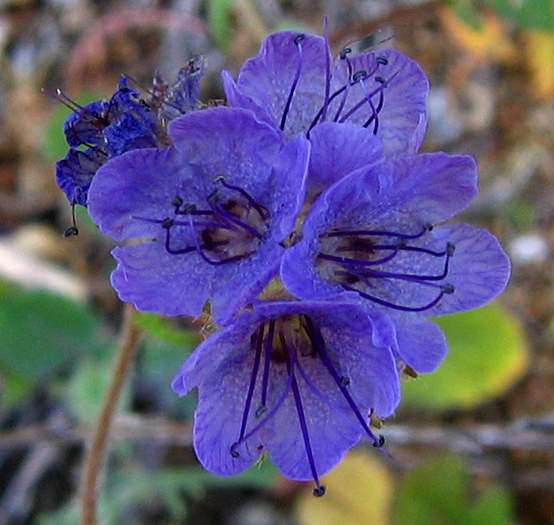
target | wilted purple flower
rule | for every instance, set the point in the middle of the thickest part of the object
(211, 212)
(298, 380)
(342, 105)
(373, 237)
(105, 129)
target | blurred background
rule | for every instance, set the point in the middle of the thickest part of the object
(471, 444)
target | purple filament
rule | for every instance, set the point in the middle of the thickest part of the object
(319, 344)
(297, 41)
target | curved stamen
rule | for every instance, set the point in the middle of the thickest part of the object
(264, 215)
(318, 343)
(445, 289)
(200, 249)
(253, 377)
(368, 95)
(168, 222)
(375, 113)
(382, 233)
(225, 215)
(345, 89)
(297, 41)
(268, 417)
(347, 261)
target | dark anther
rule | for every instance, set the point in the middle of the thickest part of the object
(448, 288)
(345, 52)
(428, 227)
(382, 61)
(319, 491)
(219, 178)
(344, 381)
(167, 223)
(450, 249)
(233, 450)
(176, 201)
(380, 442)
(72, 230)
(359, 75)
(189, 208)
(381, 80)
(299, 39)
(261, 411)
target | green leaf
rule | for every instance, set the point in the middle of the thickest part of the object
(438, 493)
(87, 387)
(467, 12)
(40, 333)
(487, 355)
(162, 328)
(219, 21)
(532, 14)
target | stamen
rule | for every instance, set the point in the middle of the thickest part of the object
(83, 112)
(72, 230)
(258, 344)
(264, 215)
(367, 98)
(345, 52)
(200, 250)
(383, 233)
(217, 208)
(445, 289)
(268, 417)
(267, 361)
(297, 41)
(346, 261)
(318, 343)
(382, 61)
(327, 73)
(319, 490)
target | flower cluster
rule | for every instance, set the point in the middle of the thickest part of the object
(303, 219)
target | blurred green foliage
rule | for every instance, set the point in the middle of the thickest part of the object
(488, 354)
(528, 14)
(41, 333)
(438, 492)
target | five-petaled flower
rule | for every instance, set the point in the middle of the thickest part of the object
(296, 379)
(211, 211)
(342, 106)
(306, 219)
(375, 237)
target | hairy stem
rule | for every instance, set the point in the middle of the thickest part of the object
(95, 457)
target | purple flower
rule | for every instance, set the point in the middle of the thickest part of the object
(106, 129)
(210, 212)
(294, 85)
(298, 380)
(373, 237)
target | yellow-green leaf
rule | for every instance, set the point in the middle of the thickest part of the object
(488, 354)
(359, 492)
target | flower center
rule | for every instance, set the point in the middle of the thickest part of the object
(292, 343)
(230, 227)
(373, 263)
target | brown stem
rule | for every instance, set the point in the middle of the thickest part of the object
(96, 453)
